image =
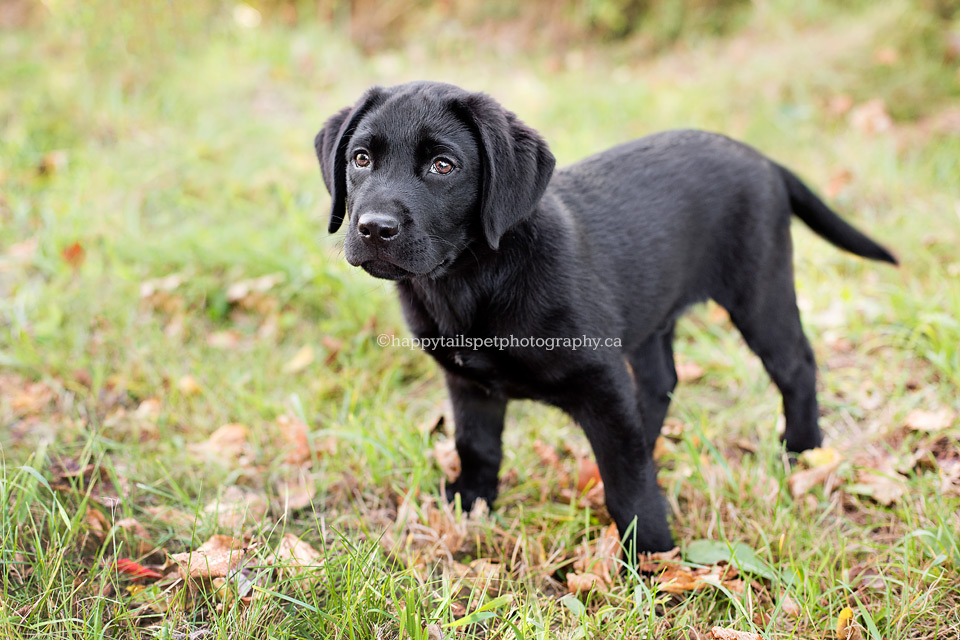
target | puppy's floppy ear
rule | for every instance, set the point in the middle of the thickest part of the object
(517, 165)
(331, 145)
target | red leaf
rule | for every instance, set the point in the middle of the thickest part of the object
(129, 567)
(73, 255)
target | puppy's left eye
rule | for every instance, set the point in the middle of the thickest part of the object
(441, 166)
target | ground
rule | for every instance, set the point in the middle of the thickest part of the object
(184, 353)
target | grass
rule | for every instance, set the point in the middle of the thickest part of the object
(176, 143)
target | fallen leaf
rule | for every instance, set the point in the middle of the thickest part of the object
(97, 522)
(871, 117)
(588, 475)
(839, 105)
(135, 569)
(722, 633)
(838, 181)
(216, 558)
(883, 488)
(886, 56)
(188, 385)
(654, 562)
(688, 371)
(445, 453)
(133, 527)
(227, 340)
(230, 440)
(790, 606)
(297, 494)
(596, 564)
(930, 421)
(52, 162)
(551, 459)
(149, 409)
(297, 556)
(300, 361)
(296, 433)
(333, 347)
(801, 482)
(73, 255)
(237, 507)
(578, 583)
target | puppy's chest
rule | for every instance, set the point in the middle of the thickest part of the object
(488, 361)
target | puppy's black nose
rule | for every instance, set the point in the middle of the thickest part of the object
(377, 227)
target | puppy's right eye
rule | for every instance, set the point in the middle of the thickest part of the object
(361, 159)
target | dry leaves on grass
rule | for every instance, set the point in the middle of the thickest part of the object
(228, 441)
(687, 371)
(445, 453)
(587, 490)
(218, 557)
(930, 421)
(236, 508)
(722, 633)
(822, 462)
(596, 564)
(302, 359)
(85, 479)
(295, 557)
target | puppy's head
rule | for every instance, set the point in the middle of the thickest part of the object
(425, 170)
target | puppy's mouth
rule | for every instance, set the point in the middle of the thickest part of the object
(385, 270)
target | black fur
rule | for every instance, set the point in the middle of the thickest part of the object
(614, 247)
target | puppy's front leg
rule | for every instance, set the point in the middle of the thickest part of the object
(478, 416)
(607, 411)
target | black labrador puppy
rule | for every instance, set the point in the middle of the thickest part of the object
(565, 286)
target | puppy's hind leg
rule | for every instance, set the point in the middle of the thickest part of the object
(769, 320)
(656, 377)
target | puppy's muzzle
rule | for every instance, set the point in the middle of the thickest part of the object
(377, 229)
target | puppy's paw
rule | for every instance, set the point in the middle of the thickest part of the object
(470, 493)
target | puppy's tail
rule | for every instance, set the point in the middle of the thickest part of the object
(827, 224)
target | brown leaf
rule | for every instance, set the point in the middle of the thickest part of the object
(838, 181)
(921, 420)
(654, 562)
(445, 452)
(588, 475)
(237, 507)
(296, 434)
(883, 488)
(297, 494)
(52, 162)
(596, 564)
(551, 459)
(722, 633)
(886, 56)
(230, 440)
(871, 117)
(801, 482)
(687, 370)
(216, 558)
(333, 347)
(227, 340)
(298, 556)
(133, 526)
(188, 385)
(578, 583)
(300, 361)
(839, 105)
(790, 606)
(97, 522)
